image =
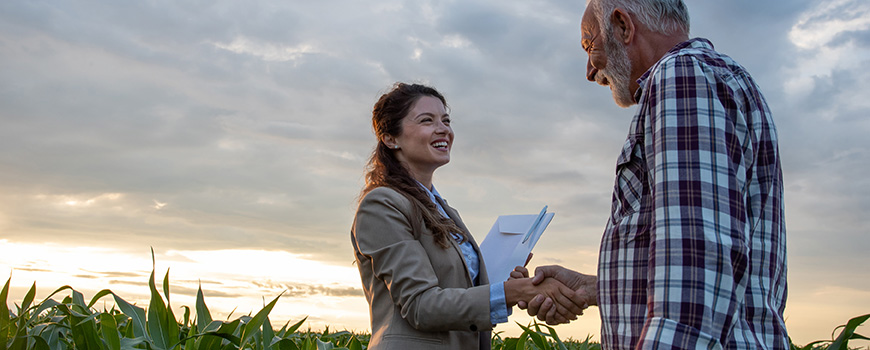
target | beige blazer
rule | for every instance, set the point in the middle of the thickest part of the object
(420, 295)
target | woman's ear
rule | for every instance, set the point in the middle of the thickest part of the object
(390, 142)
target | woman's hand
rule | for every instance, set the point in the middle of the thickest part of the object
(519, 272)
(550, 292)
(585, 292)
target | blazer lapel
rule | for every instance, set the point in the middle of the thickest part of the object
(458, 221)
(454, 215)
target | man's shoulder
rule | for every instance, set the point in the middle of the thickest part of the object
(698, 52)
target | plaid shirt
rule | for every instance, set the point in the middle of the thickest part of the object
(693, 256)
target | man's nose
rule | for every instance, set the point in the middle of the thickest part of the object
(590, 71)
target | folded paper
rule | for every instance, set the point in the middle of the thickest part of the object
(510, 241)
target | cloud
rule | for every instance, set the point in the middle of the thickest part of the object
(267, 51)
(301, 290)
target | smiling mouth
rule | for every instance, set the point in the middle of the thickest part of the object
(440, 144)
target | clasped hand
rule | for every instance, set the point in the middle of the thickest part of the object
(562, 307)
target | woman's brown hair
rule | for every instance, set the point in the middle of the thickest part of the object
(384, 168)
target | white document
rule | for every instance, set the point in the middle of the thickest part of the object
(509, 242)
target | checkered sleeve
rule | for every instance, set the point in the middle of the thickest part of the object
(698, 252)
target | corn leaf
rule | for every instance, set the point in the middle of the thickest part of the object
(555, 337)
(257, 322)
(4, 314)
(186, 317)
(39, 343)
(18, 343)
(203, 316)
(84, 333)
(128, 343)
(268, 334)
(137, 317)
(321, 345)
(22, 311)
(295, 326)
(190, 343)
(97, 297)
(521, 342)
(354, 343)
(78, 301)
(161, 325)
(284, 344)
(171, 322)
(848, 333)
(109, 330)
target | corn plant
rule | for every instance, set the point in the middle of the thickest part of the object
(72, 323)
(533, 338)
(841, 341)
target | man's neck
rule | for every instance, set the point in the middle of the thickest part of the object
(651, 47)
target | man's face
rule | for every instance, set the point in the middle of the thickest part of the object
(608, 62)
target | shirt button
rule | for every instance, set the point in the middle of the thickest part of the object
(473, 328)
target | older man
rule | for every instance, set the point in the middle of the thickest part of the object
(693, 256)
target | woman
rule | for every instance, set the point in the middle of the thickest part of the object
(421, 270)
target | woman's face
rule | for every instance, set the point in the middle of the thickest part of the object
(426, 138)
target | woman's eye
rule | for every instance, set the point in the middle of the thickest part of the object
(446, 121)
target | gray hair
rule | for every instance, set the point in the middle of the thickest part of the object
(661, 16)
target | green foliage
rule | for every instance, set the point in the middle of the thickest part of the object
(73, 324)
(841, 341)
(533, 338)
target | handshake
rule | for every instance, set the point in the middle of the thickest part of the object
(555, 295)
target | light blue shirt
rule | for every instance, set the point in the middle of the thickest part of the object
(498, 311)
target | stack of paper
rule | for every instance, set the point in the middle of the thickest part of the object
(510, 241)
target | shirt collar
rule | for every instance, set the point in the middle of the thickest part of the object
(432, 194)
(693, 43)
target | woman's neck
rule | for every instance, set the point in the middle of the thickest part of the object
(424, 178)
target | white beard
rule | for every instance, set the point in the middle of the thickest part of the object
(617, 73)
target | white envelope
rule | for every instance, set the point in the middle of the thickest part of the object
(503, 248)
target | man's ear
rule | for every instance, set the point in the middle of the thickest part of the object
(623, 25)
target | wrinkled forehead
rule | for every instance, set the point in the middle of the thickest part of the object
(589, 25)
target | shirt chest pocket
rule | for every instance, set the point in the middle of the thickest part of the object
(631, 187)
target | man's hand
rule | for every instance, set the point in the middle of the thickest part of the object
(585, 287)
(561, 304)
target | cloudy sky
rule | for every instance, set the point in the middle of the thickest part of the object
(231, 138)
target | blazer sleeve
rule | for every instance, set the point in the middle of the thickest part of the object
(384, 233)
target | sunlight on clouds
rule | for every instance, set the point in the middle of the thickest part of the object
(816, 32)
(232, 280)
(262, 265)
(819, 26)
(455, 41)
(158, 205)
(342, 155)
(267, 51)
(232, 145)
(72, 201)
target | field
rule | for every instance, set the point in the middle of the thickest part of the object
(72, 323)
